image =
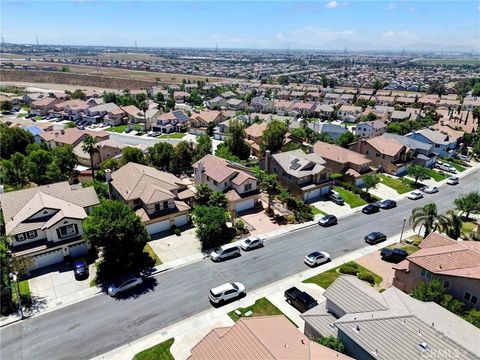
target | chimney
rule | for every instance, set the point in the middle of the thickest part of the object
(62, 131)
(108, 175)
(267, 159)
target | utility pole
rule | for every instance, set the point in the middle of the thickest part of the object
(14, 278)
(403, 228)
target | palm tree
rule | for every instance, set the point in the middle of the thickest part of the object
(452, 224)
(144, 107)
(91, 147)
(428, 217)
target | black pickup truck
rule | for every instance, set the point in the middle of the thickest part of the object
(300, 300)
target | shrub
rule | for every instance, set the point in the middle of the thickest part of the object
(239, 225)
(347, 269)
(280, 219)
(291, 218)
(367, 277)
(177, 231)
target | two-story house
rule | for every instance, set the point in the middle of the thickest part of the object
(107, 149)
(199, 122)
(386, 154)
(369, 129)
(70, 109)
(260, 104)
(236, 104)
(353, 165)
(333, 130)
(173, 121)
(349, 113)
(45, 222)
(96, 114)
(71, 136)
(324, 111)
(237, 182)
(42, 106)
(443, 144)
(306, 176)
(455, 263)
(422, 152)
(218, 102)
(159, 198)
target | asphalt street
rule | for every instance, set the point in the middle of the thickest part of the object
(100, 324)
(137, 140)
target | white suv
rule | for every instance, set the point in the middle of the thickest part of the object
(224, 252)
(225, 292)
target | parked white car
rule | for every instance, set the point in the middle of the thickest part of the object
(224, 252)
(445, 167)
(430, 190)
(317, 258)
(452, 180)
(253, 242)
(225, 292)
(415, 195)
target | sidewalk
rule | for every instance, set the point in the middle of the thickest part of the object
(188, 332)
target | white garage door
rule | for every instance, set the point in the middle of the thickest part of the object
(158, 227)
(48, 258)
(78, 250)
(312, 194)
(181, 220)
(245, 205)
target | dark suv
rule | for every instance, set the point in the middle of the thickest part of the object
(80, 269)
(393, 255)
(300, 300)
(375, 238)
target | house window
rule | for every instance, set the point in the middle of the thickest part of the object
(426, 274)
(20, 237)
(67, 231)
(470, 298)
(157, 207)
(366, 152)
(32, 234)
(248, 187)
(215, 183)
(165, 204)
(136, 201)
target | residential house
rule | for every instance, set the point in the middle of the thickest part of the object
(31, 97)
(199, 122)
(422, 152)
(282, 107)
(218, 102)
(36, 132)
(107, 149)
(400, 116)
(470, 103)
(346, 99)
(387, 154)
(112, 113)
(71, 136)
(236, 104)
(254, 136)
(385, 100)
(260, 104)
(45, 222)
(353, 165)
(70, 109)
(349, 113)
(159, 198)
(304, 108)
(305, 176)
(389, 325)
(237, 182)
(324, 111)
(443, 144)
(228, 94)
(331, 98)
(134, 114)
(455, 263)
(42, 106)
(173, 121)
(333, 130)
(220, 132)
(259, 338)
(369, 129)
(181, 96)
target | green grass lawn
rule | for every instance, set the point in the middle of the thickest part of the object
(24, 290)
(350, 198)
(467, 227)
(152, 254)
(21, 115)
(436, 175)
(172, 136)
(118, 128)
(38, 117)
(262, 307)
(324, 279)
(400, 187)
(158, 352)
(415, 240)
(316, 211)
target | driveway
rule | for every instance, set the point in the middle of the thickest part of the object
(330, 207)
(374, 263)
(172, 247)
(259, 221)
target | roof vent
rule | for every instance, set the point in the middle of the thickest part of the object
(423, 346)
(357, 329)
(419, 332)
(303, 341)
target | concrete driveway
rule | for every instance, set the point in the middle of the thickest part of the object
(59, 285)
(259, 221)
(172, 247)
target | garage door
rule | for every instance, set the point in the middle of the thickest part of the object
(312, 194)
(158, 227)
(181, 220)
(245, 205)
(78, 250)
(48, 258)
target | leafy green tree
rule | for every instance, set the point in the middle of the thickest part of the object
(14, 140)
(224, 152)
(77, 94)
(377, 85)
(182, 158)
(429, 291)
(8, 174)
(119, 233)
(66, 160)
(283, 80)
(211, 226)
(370, 182)
(101, 188)
(203, 147)
(160, 155)
(131, 154)
(218, 199)
(468, 203)
(476, 113)
(452, 304)
(203, 193)
(437, 87)
(6, 106)
(476, 89)
(38, 162)
(428, 217)
(346, 139)
(17, 167)
(90, 146)
(332, 343)
(273, 137)
(418, 172)
(236, 139)
(473, 317)
(268, 183)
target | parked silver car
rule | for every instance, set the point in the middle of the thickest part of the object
(251, 243)
(224, 252)
(124, 284)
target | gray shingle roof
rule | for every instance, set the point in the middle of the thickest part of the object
(409, 142)
(299, 164)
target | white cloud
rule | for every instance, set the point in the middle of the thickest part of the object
(279, 36)
(332, 5)
(400, 35)
(478, 8)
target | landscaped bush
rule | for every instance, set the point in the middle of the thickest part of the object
(348, 269)
(280, 219)
(177, 231)
(367, 277)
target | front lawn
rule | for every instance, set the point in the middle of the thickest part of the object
(24, 290)
(400, 187)
(262, 307)
(158, 352)
(324, 279)
(172, 136)
(148, 249)
(118, 128)
(316, 211)
(350, 198)
(38, 117)
(22, 115)
(436, 175)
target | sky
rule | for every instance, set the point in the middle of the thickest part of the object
(245, 24)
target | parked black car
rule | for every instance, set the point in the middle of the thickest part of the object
(300, 300)
(393, 255)
(80, 269)
(375, 238)
(328, 220)
(386, 204)
(371, 209)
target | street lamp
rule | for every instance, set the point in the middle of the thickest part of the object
(13, 277)
(403, 228)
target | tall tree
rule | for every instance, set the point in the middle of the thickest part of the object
(370, 182)
(468, 203)
(236, 139)
(14, 140)
(38, 162)
(203, 193)
(182, 158)
(268, 183)
(273, 137)
(203, 147)
(218, 199)
(131, 154)
(453, 224)
(160, 155)
(19, 163)
(418, 172)
(143, 106)
(345, 139)
(428, 217)
(119, 233)
(90, 146)
(66, 160)
(211, 226)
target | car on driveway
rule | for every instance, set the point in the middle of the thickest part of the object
(430, 189)
(336, 198)
(124, 284)
(317, 258)
(445, 167)
(225, 292)
(393, 255)
(300, 300)
(375, 238)
(253, 242)
(453, 180)
(328, 220)
(371, 209)
(80, 269)
(386, 204)
(415, 195)
(224, 252)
